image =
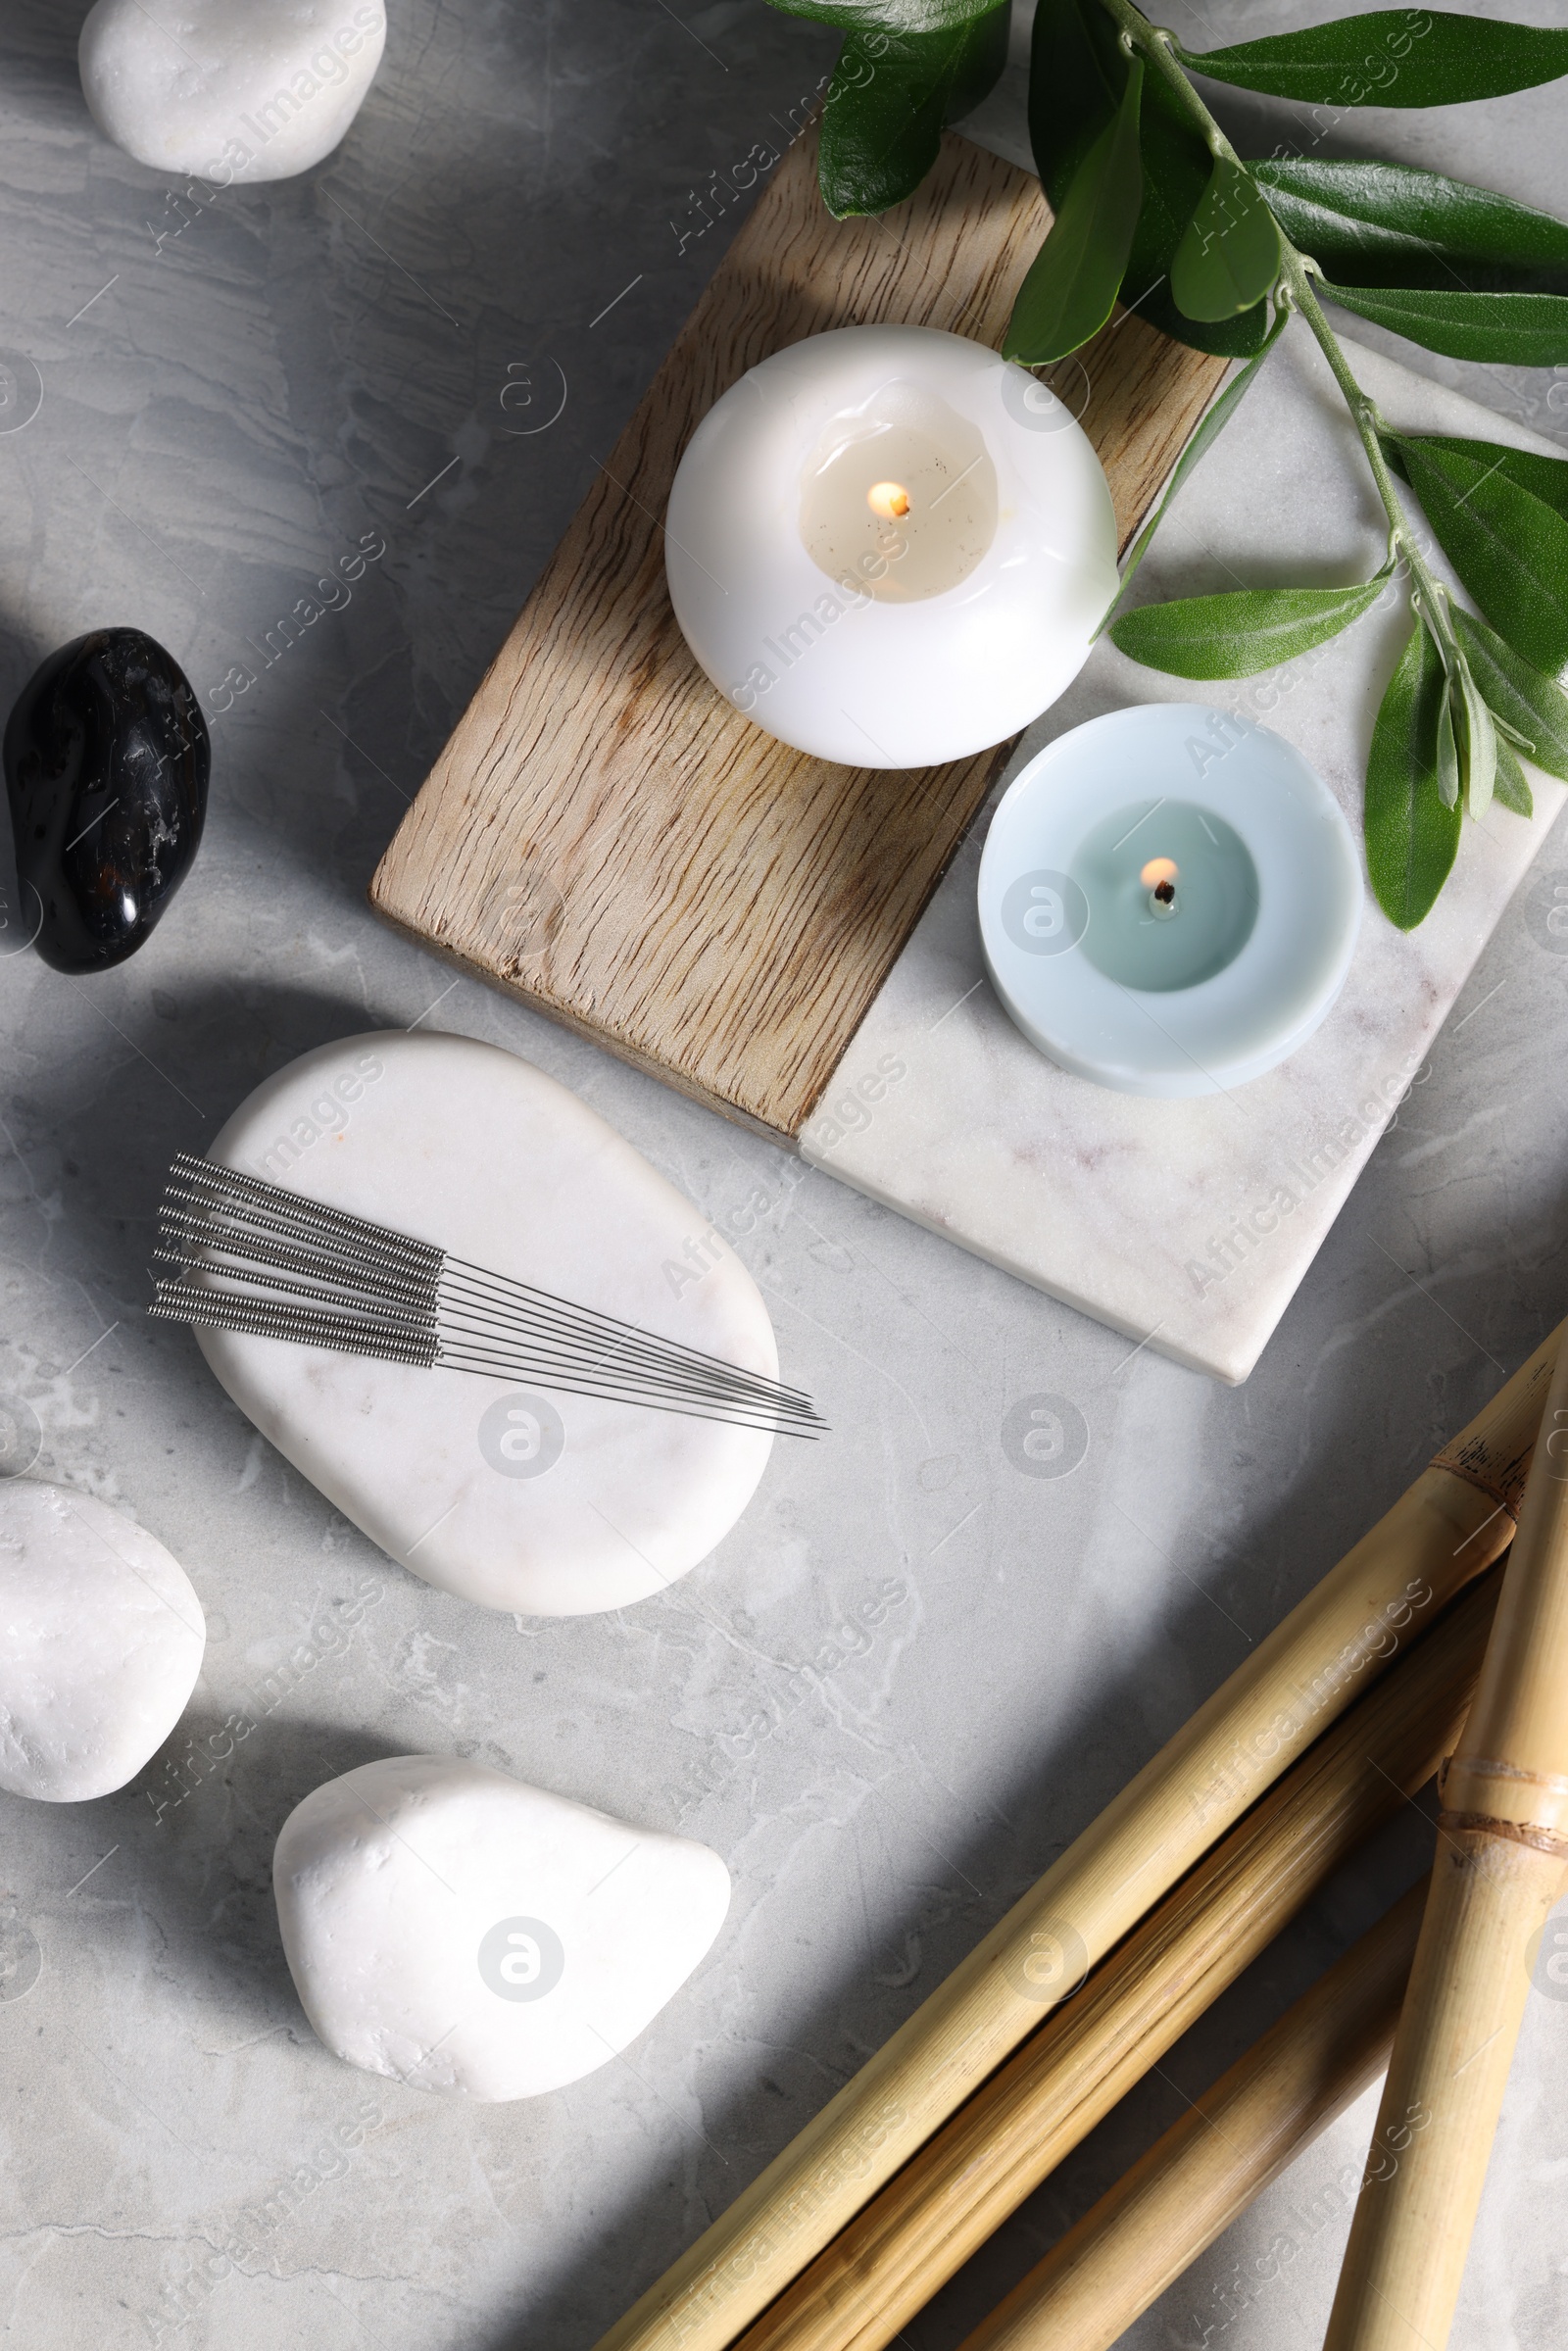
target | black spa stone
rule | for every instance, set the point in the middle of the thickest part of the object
(105, 759)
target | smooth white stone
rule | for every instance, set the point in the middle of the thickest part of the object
(467, 1146)
(1189, 1225)
(101, 1639)
(229, 90)
(449, 1926)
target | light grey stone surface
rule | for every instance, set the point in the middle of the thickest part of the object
(912, 1672)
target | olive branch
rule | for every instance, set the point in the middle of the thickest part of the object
(1152, 205)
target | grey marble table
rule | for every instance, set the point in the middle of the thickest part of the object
(912, 1672)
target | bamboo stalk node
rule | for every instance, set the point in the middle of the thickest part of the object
(1524, 1832)
(1497, 1457)
(1501, 1850)
(1556, 1782)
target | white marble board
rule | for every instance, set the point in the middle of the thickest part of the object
(1189, 1225)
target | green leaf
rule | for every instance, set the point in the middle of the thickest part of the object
(1077, 73)
(1447, 752)
(1395, 56)
(1210, 426)
(1531, 706)
(1519, 330)
(1477, 741)
(1177, 169)
(1077, 77)
(888, 100)
(888, 16)
(1228, 255)
(1073, 281)
(1246, 631)
(1369, 224)
(1412, 837)
(1512, 787)
(1545, 478)
(979, 60)
(1508, 548)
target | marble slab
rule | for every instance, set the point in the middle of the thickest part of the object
(1189, 1225)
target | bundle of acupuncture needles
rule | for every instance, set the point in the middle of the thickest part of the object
(254, 1259)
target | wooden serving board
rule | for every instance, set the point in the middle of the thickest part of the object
(604, 836)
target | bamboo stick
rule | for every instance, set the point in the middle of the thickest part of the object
(1223, 2152)
(1453, 1523)
(1503, 1860)
(920, 2230)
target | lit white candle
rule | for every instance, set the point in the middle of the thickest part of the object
(888, 546)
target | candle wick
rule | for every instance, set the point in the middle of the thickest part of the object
(1165, 892)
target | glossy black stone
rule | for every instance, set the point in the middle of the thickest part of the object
(107, 759)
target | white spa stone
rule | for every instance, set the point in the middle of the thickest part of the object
(101, 1639)
(538, 1502)
(229, 90)
(449, 1926)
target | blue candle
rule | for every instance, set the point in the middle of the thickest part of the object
(1169, 900)
(1172, 891)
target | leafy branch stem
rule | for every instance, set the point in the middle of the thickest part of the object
(1296, 282)
(1158, 46)
(1295, 276)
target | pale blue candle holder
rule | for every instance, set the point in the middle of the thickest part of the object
(1169, 900)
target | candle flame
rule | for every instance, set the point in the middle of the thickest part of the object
(1157, 870)
(889, 499)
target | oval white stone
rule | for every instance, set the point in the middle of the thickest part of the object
(450, 1926)
(229, 90)
(535, 1501)
(101, 1639)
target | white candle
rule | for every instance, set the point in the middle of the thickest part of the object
(888, 546)
(1169, 900)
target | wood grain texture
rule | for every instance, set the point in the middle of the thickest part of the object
(604, 835)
